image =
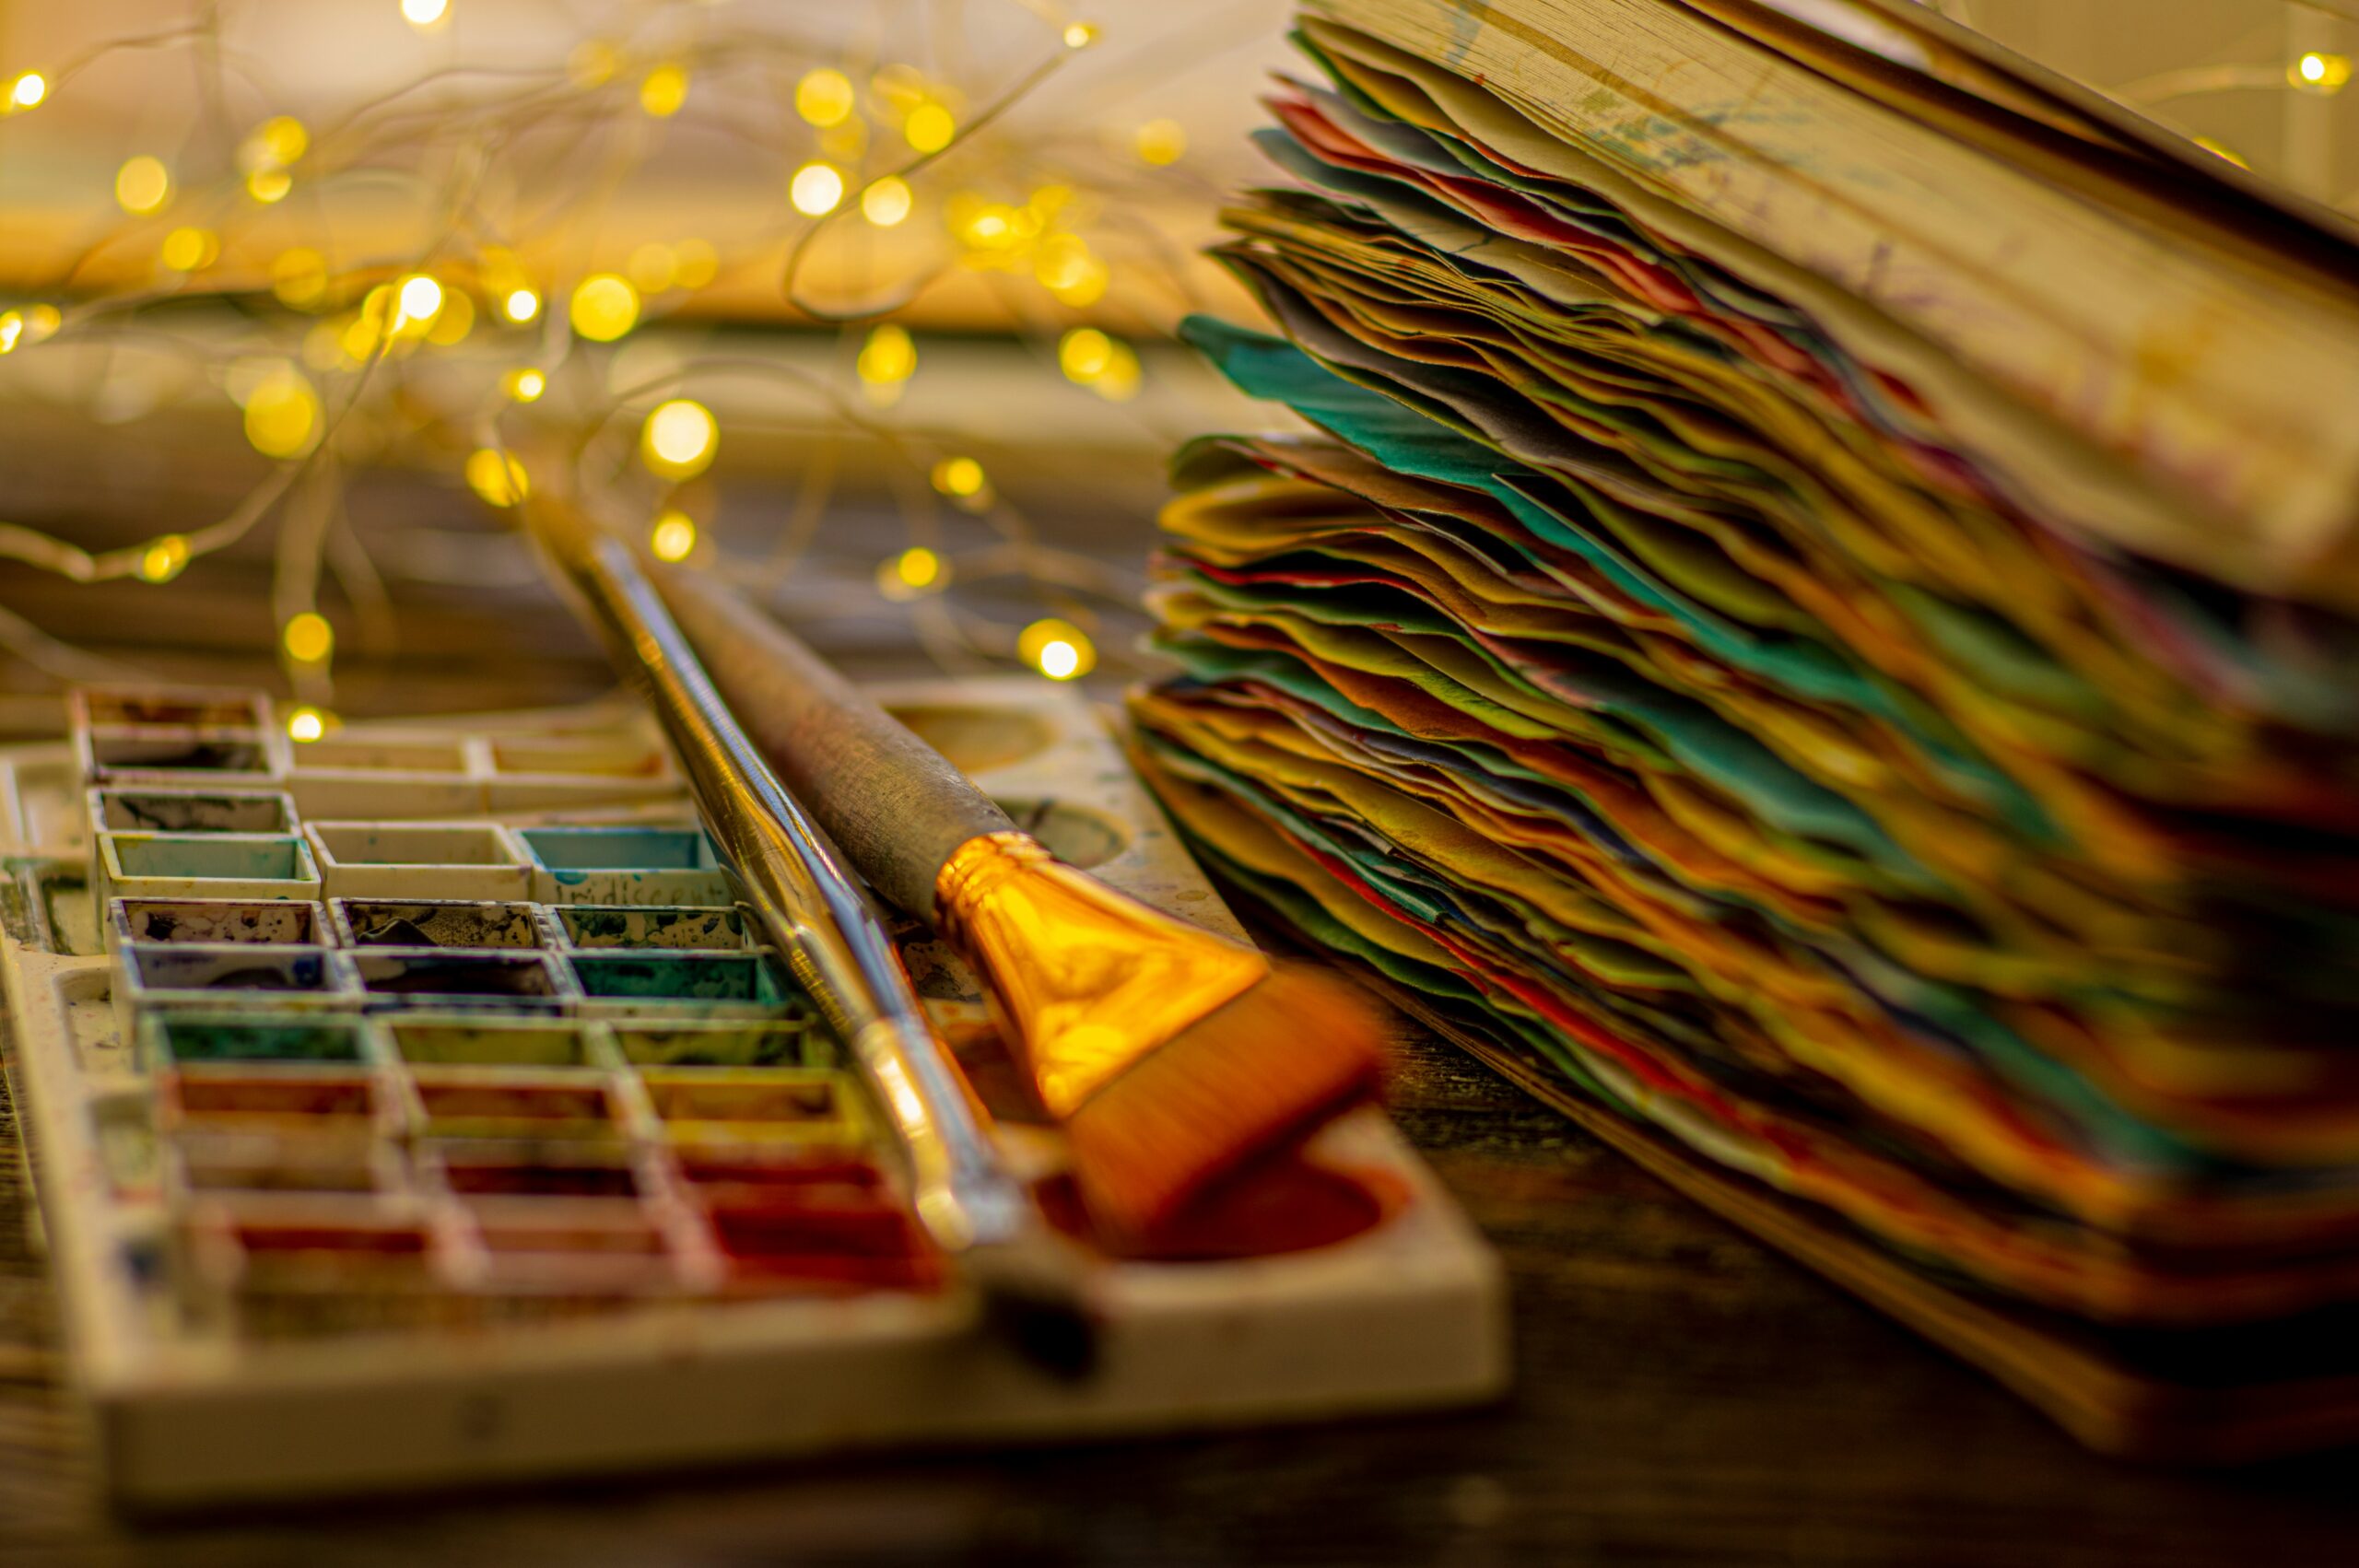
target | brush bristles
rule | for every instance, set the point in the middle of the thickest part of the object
(1246, 1079)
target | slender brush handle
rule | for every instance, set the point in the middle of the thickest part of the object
(896, 805)
(809, 904)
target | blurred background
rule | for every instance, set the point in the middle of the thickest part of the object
(868, 302)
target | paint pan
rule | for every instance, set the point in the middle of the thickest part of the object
(280, 921)
(493, 1171)
(473, 862)
(51, 808)
(531, 773)
(168, 753)
(19, 900)
(438, 977)
(812, 1221)
(124, 809)
(422, 774)
(247, 1040)
(778, 1042)
(206, 865)
(726, 1105)
(291, 1264)
(420, 753)
(129, 1151)
(624, 865)
(484, 1104)
(116, 706)
(437, 922)
(240, 1162)
(479, 1041)
(657, 926)
(162, 974)
(618, 754)
(316, 1103)
(853, 1245)
(977, 738)
(84, 1000)
(60, 915)
(616, 983)
(759, 1176)
(1081, 837)
(564, 1253)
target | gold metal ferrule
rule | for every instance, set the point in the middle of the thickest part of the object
(1086, 980)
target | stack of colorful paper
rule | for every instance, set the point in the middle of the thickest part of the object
(1819, 628)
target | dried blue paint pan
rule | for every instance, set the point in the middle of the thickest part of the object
(618, 983)
(625, 865)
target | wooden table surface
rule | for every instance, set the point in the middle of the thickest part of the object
(1682, 1396)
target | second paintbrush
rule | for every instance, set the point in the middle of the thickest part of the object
(1172, 1057)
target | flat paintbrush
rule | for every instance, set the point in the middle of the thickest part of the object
(1171, 1056)
(1031, 1281)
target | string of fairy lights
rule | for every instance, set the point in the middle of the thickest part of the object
(327, 339)
(321, 365)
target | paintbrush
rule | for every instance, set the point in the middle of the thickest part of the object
(1172, 1057)
(972, 1205)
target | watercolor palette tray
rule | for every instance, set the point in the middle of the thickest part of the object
(417, 1106)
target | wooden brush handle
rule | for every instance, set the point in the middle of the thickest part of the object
(892, 803)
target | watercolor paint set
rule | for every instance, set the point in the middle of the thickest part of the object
(418, 1106)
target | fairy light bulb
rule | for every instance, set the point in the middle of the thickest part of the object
(300, 276)
(918, 566)
(886, 361)
(695, 264)
(604, 307)
(1161, 142)
(425, 14)
(453, 321)
(189, 250)
(824, 96)
(2318, 72)
(419, 298)
(817, 189)
(307, 723)
(283, 413)
(1057, 648)
(308, 638)
(1066, 267)
(521, 305)
(524, 385)
(663, 91)
(142, 185)
(275, 143)
(653, 267)
(915, 572)
(674, 537)
(1081, 35)
(496, 476)
(163, 559)
(12, 329)
(929, 128)
(679, 439)
(27, 90)
(887, 202)
(958, 476)
(1084, 354)
(268, 185)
